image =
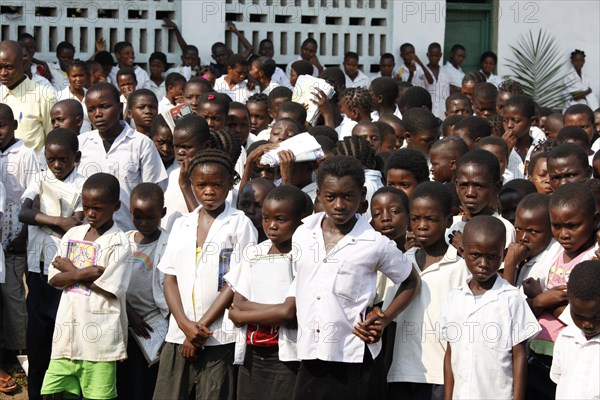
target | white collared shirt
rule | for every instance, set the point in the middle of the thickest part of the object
(272, 85)
(198, 281)
(361, 81)
(418, 76)
(164, 105)
(132, 158)
(345, 127)
(459, 225)
(482, 331)
(158, 90)
(281, 78)
(574, 83)
(375, 114)
(94, 327)
(239, 92)
(576, 365)
(453, 74)
(182, 70)
(372, 183)
(59, 77)
(333, 290)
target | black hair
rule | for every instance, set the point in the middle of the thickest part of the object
(535, 201)
(219, 99)
(258, 98)
(489, 54)
(573, 133)
(485, 159)
(104, 58)
(6, 109)
(256, 145)
(160, 56)
(405, 46)
(106, 183)
(457, 97)
(510, 86)
(435, 191)
(278, 93)
(522, 102)
(580, 109)
(229, 142)
(485, 91)
(126, 72)
(419, 120)
(566, 150)
(410, 160)
(334, 76)
(351, 55)
(474, 76)
(202, 82)
(292, 194)
(218, 45)
(71, 104)
(484, 226)
(457, 47)
(76, 63)
(63, 137)
(385, 130)
(494, 141)
(545, 111)
(396, 192)
(534, 160)
(453, 146)
(310, 41)
(388, 56)
(575, 195)
(521, 186)
(594, 186)
(577, 52)
(159, 122)
(476, 127)
(173, 78)
(299, 112)
(417, 97)
(340, 167)
(584, 281)
(302, 67)
(195, 125)
(385, 87)
(120, 46)
(264, 41)
(267, 65)
(64, 45)
(456, 204)
(358, 148)
(323, 130)
(326, 143)
(219, 157)
(24, 36)
(236, 59)
(106, 87)
(497, 123)
(359, 98)
(189, 47)
(434, 45)
(236, 105)
(451, 120)
(149, 191)
(136, 94)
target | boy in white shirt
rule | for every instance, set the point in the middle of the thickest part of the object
(354, 76)
(91, 323)
(452, 69)
(234, 83)
(412, 69)
(486, 322)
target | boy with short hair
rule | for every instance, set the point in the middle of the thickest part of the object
(444, 156)
(421, 130)
(499, 149)
(568, 163)
(68, 114)
(162, 137)
(486, 300)
(234, 83)
(384, 94)
(458, 104)
(405, 169)
(142, 107)
(93, 296)
(576, 365)
(60, 178)
(174, 84)
(354, 76)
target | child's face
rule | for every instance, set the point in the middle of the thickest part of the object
(567, 170)
(484, 108)
(386, 66)
(97, 210)
(237, 74)
(583, 121)
(388, 144)
(572, 227)
(458, 57)
(293, 76)
(434, 55)
(250, 202)
(459, 107)
(488, 65)
(61, 159)
(508, 202)
(388, 216)
(213, 114)
(597, 120)
(498, 153)
(146, 215)
(190, 58)
(62, 117)
(427, 221)
(475, 188)
(351, 67)
(211, 185)
(163, 140)
(586, 315)
(401, 179)
(443, 165)
(552, 127)
(126, 57)
(399, 132)
(238, 122)
(308, 51)
(77, 77)
(483, 255)
(192, 94)
(370, 134)
(340, 198)
(422, 141)
(186, 145)
(127, 84)
(156, 68)
(7, 130)
(220, 55)
(533, 230)
(143, 111)
(176, 92)
(104, 112)
(259, 116)
(283, 130)
(275, 105)
(517, 122)
(278, 221)
(539, 176)
(408, 55)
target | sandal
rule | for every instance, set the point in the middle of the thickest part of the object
(5, 388)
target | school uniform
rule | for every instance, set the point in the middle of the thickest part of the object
(576, 365)
(453, 74)
(164, 105)
(538, 267)
(187, 72)
(418, 76)
(360, 81)
(281, 78)
(482, 330)
(132, 158)
(439, 91)
(575, 83)
(272, 85)
(66, 94)
(372, 183)
(158, 90)
(140, 75)
(333, 291)
(199, 286)
(375, 114)
(59, 77)
(239, 92)
(493, 79)
(344, 129)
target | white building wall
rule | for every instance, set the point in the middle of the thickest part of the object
(202, 24)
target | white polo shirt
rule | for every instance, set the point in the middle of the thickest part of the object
(576, 365)
(361, 81)
(132, 159)
(333, 290)
(239, 92)
(453, 74)
(481, 332)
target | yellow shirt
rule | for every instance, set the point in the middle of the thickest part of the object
(31, 104)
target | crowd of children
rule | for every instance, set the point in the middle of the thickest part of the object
(441, 242)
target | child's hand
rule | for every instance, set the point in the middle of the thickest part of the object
(137, 323)
(203, 334)
(63, 264)
(18, 245)
(371, 329)
(286, 163)
(184, 173)
(256, 154)
(510, 139)
(322, 101)
(231, 26)
(90, 274)
(517, 252)
(532, 287)
(66, 223)
(456, 238)
(188, 350)
(411, 241)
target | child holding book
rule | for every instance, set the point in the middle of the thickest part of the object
(91, 323)
(61, 183)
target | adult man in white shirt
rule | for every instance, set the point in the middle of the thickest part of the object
(452, 69)
(355, 78)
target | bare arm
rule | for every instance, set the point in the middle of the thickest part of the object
(172, 25)
(263, 314)
(32, 216)
(448, 375)
(173, 298)
(248, 49)
(519, 371)
(217, 308)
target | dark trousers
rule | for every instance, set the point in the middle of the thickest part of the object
(539, 384)
(135, 379)
(416, 391)
(42, 304)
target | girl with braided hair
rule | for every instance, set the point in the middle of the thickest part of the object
(356, 105)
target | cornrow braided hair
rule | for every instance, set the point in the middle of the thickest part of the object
(510, 86)
(475, 76)
(258, 98)
(215, 156)
(227, 141)
(358, 98)
(358, 148)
